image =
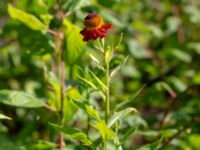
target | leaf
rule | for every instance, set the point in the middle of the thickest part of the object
(42, 145)
(153, 146)
(74, 133)
(105, 131)
(96, 61)
(19, 99)
(119, 115)
(89, 110)
(129, 100)
(127, 134)
(73, 43)
(181, 55)
(4, 117)
(26, 18)
(178, 84)
(109, 54)
(89, 83)
(103, 86)
(172, 24)
(118, 67)
(73, 93)
(137, 50)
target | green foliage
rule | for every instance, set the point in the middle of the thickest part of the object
(74, 44)
(153, 69)
(4, 117)
(19, 99)
(26, 18)
(106, 133)
(74, 133)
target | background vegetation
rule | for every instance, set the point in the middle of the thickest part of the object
(161, 77)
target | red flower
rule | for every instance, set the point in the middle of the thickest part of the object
(94, 27)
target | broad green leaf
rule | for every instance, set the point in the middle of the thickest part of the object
(74, 133)
(119, 115)
(26, 18)
(73, 42)
(4, 117)
(104, 130)
(70, 109)
(152, 146)
(19, 99)
(89, 110)
(73, 93)
(114, 71)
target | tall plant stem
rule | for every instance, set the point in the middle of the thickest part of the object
(107, 102)
(107, 75)
(62, 92)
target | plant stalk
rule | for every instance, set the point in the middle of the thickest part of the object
(62, 92)
(107, 112)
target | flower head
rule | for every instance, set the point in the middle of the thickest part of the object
(94, 27)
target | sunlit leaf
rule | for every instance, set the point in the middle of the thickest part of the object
(89, 110)
(26, 18)
(73, 43)
(74, 133)
(4, 117)
(19, 99)
(104, 130)
(119, 115)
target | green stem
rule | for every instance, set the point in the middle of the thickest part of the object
(62, 91)
(104, 146)
(107, 112)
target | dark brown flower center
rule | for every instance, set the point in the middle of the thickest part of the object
(93, 21)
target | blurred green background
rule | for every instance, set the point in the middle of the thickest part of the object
(162, 40)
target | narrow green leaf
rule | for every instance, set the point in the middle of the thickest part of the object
(89, 110)
(96, 61)
(26, 18)
(118, 67)
(89, 83)
(119, 115)
(4, 117)
(104, 130)
(103, 86)
(74, 44)
(129, 100)
(19, 99)
(127, 134)
(152, 146)
(74, 133)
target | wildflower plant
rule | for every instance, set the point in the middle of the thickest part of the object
(81, 109)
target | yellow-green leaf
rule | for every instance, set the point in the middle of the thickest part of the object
(28, 19)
